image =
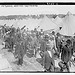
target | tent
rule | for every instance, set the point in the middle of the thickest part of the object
(68, 25)
(58, 21)
(47, 24)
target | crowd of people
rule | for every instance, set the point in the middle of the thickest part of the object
(50, 46)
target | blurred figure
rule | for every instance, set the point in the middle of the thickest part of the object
(43, 43)
(41, 32)
(74, 44)
(19, 52)
(49, 63)
(58, 43)
(67, 53)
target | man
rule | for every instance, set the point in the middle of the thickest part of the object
(12, 42)
(58, 43)
(66, 53)
(7, 42)
(49, 63)
(53, 44)
(74, 44)
(37, 35)
(43, 44)
(18, 35)
(25, 45)
(12, 32)
(41, 32)
(19, 51)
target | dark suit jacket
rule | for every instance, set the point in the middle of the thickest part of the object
(48, 61)
(74, 45)
(66, 54)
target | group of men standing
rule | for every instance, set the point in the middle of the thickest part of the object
(50, 45)
(60, 47)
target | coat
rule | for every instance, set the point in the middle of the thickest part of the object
(43, 46)
(48, 61)
(18, 37)
(66, 54)
(19, 50)
(58, 43)
(25, 46)
(74, 45)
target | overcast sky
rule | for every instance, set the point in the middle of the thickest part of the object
(42, 9)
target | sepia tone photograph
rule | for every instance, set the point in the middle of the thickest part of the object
(37, 38)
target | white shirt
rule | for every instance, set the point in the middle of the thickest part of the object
(50, 53)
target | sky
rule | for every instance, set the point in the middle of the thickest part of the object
(36, 10)
(45, 9)
(42, 9)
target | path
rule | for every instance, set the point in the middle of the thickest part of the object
(30, 64)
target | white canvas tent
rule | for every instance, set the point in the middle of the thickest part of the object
(47, 24)
(68, 25)
(58, 21)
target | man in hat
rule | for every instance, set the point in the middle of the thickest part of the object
(66, 53)
(41, 32)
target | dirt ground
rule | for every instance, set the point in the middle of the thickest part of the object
(29, 64)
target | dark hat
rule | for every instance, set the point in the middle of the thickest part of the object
(74, 36)
(53, 32)
(58, 34)
(68, 41)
